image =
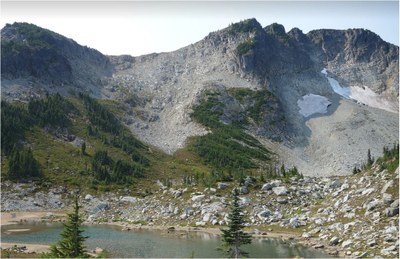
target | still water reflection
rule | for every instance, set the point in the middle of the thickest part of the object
(145, 243)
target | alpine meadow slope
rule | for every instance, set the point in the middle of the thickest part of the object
(255, 76)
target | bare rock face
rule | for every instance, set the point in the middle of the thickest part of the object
(38, 60)
(160, 90)
(359, 57)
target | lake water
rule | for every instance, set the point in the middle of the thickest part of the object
(145, 243)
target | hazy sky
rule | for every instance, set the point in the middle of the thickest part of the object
(136, 28)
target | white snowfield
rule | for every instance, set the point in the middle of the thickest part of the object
(312, 103)
(363, 95)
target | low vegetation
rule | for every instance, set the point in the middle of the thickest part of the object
(245, 47)
(37, 143)
(246, 26)
(259, 100)
(228, 147)
(389, 161)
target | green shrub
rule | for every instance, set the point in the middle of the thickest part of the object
(245, 47)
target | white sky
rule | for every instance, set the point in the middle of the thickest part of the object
(136, 28)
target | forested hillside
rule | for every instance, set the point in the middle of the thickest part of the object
(79, 140)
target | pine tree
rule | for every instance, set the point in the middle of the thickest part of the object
(71, 245)
(234, 236)
(370, 160)
(83, 148)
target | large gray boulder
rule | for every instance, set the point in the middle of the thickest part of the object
(222, 186)
(280, 191)
(390, 212)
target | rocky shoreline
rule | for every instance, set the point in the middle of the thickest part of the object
(353, 216)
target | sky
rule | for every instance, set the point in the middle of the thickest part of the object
(137, 28)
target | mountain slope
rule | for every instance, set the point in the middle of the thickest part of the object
(35, 60)
(162, 91)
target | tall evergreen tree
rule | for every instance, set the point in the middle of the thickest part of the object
(234, 236)
(370, 160)
(71, 245)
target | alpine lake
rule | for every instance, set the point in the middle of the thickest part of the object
(154, 243)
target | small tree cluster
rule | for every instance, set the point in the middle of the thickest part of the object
(281, 172)
(107, 170)
(22, 165)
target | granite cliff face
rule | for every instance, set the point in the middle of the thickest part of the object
(359, 57)
(162, 89)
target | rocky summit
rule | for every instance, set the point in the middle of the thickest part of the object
(359, 82)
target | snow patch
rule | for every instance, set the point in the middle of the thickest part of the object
(311, 103)
(363, 95)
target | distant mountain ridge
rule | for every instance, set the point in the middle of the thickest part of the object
(161, 90)
(49, 59)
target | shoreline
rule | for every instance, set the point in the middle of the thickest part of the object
(11, 218)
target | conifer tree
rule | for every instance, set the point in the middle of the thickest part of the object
(370, 160)
(234, 236)
(72, 243)
(83, 148)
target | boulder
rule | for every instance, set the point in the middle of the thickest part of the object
(264, 214)
(248, 181)
(210, 190)
(295, 222)
(244, 201)
(373, 205)
(371, 242)
(243, 190)
(98, 250)
(347, 243)
(387, 185)
(177, 194)
(222, 185)
(395, 204)
(387, 198)
(214, 207)
(129, 199)
(391, 230)
(267, 187)
(207, 216)
(88, 197)
(388, 250)
(189, 211)
(390, 212)
(200, 223)
(280, 191)
(198, 197)
(345, 186)
(176, 211)
(282, 200)
(335, 184)
(101, 206)
(334, 241)
(276, 216)
(367, 191)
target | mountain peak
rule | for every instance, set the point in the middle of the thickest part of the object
(275, 28)
(245, 26)
(49, 59)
